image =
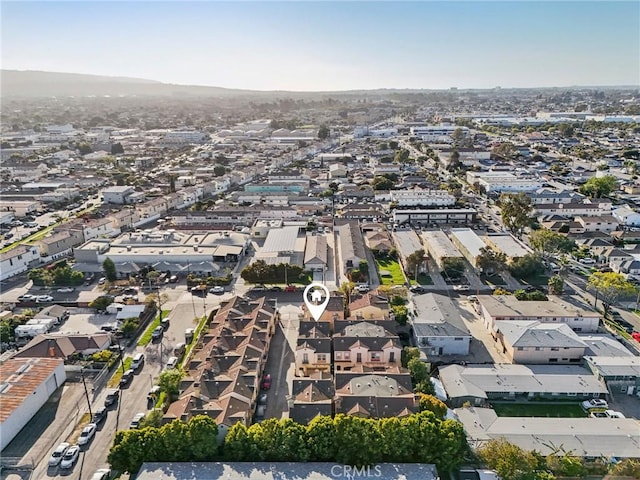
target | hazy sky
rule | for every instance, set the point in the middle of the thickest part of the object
(330, 45)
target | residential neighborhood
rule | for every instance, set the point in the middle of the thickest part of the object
(480, 257)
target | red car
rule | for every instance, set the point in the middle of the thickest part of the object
(636, 336)
(290, 288)
(266, 382)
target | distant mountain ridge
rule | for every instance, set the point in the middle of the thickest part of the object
(35, 83)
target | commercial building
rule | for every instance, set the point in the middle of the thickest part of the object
(25, 385)
(283, 245)
(439, 216)
(20, 208)
(422, 198)
(499, 182)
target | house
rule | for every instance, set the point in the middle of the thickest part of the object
(628, 267)
(222, 377)
(369, 306)
(351, 242)
(371, 344)
(312, 396)
(378, 241)
(479, 384)
(57, 244)
(17, 260)
(337, 170)
(613, 256)
(533, 342)
(438, 327)
(315, 253)
(57, 313)
(333, 312)
(64, 346)
(407, 243)
(118, 195)
(496, 308)
(313, 349)
(468, 243)
(602, 223)
(507, 244)
(626, 216)
(26, 384)
(583, 437)
(375, 394)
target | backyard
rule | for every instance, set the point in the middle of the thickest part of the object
(390, 272)
(568, 410)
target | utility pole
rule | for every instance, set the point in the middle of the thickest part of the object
(86, 392)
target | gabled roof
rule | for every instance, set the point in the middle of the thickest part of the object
(50, 345)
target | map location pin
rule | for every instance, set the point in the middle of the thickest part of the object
(316, 298)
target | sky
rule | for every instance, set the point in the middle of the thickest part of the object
(330, 45)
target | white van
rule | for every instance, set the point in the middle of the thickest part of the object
(137, 362)
(172, 363)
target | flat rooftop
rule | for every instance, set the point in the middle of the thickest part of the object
(509, 306)
(468, 238)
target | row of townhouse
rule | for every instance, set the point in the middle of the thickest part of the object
(223, 374)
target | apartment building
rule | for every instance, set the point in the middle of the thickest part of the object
(372, 344)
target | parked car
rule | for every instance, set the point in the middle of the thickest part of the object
(58, 453)
(65, 290)
(87, 434)
(417, 289)
(99, 416)
(275, 288)
(101, 474)
(70, 457)
(363, 288)
(217, 290)
(461, 288)
(27, 298)
(262, 399)
(102, 281)
(266, 382)
(172, 363)
(291, 288)
(595, 403)
(112, 397)
(259, 288)
(44, 298)
(126, 378)
(135, 423)
(157, 333)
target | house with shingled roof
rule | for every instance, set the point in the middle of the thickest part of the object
(313, 349)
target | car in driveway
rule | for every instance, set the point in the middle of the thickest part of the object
(58, 453)
(70, 457)
(595, 404)
(157, 333)
(135, 422)
(217, 290)
(87, 434)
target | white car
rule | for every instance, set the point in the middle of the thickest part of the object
(58, 453)
(87, 434)
(135, 423)
(363, 288)
(595, 403)
(70, 457)
(65, 290)
(216, 290)
(461, 288)
(101, 474)
(44, 298)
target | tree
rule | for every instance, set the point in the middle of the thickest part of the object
(169, 383)
(357, 440)
(509, 461)
(566, 130)
(101, 303)
(172, 183)
(458, 137)
(109, 269)
(490, 261)
(418, 370)
(454, 161)
(382, 183)
(321, 437)
(219, 170)
(516, 211)
(609, 286)
(432, 404)
(84, 148)
(414, 262)
(453, 267)
(597, 187)
(550, 243)
(556, 285)
(527, 266)
(117, 149)
(627, 468)
(323, 132)
(505, 150)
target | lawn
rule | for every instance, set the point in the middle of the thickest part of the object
(494, 279)
(570, 410)
(423, 279)
(390, 272)
(196, 334)
(117, 375)
(145, 338)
